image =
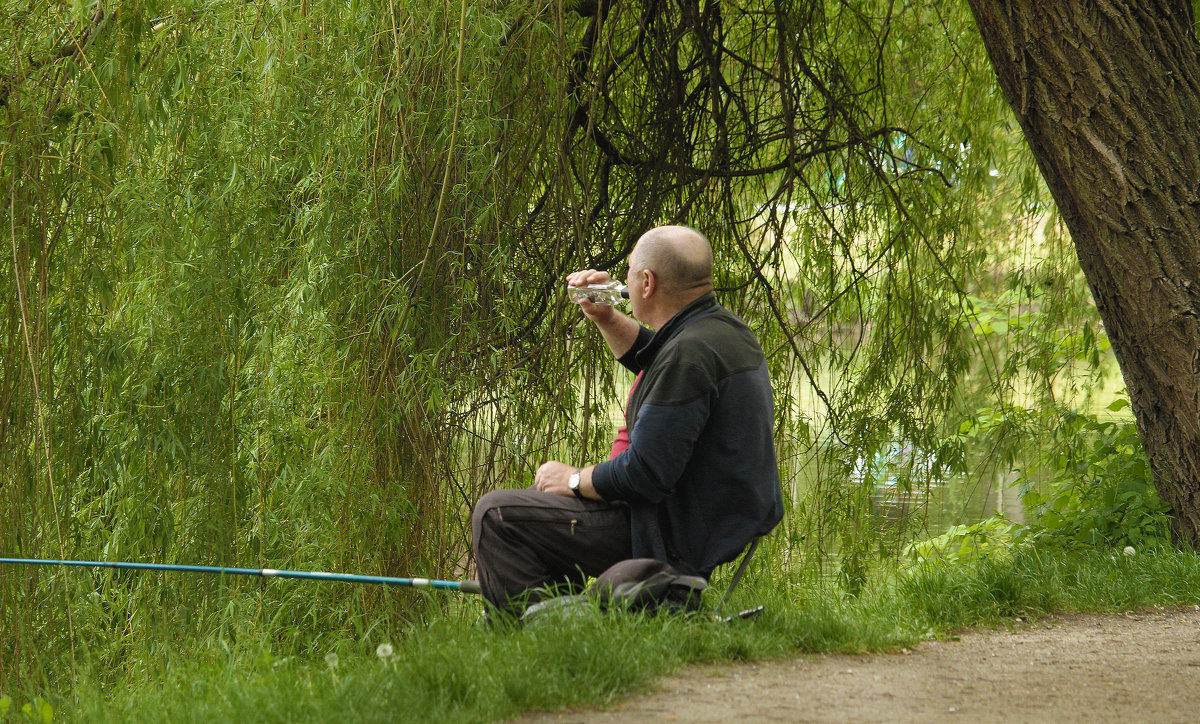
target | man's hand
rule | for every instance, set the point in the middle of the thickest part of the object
(598, 313)
(588, 276)
(554, 477)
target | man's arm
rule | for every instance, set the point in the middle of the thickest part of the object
(619, 331)
(649, 469)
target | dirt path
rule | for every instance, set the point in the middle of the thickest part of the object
(1142, 667)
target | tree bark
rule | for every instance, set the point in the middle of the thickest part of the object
(1107, 93)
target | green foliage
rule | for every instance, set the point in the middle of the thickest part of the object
(281, 284)
(990, 537)
(1099, 491)
(36, 710)
(1091, 489)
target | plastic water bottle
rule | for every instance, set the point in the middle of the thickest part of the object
(608, 294)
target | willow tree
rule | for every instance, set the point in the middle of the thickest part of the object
(1108, 96)
(282, 281)
(848, 183)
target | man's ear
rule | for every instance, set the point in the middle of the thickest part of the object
(649, 283)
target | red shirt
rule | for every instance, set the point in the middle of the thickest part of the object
(622, 440)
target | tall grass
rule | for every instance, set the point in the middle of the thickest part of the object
(448, 670)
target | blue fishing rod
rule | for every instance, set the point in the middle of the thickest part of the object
(460, 586)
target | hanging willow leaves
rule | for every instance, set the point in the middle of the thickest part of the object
(282, 282)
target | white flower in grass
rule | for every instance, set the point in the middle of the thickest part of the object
(331, 660)
(384, 651)
(1129, 550)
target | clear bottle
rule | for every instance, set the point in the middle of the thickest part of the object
(607, 294)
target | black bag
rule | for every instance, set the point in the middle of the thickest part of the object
(640, 584)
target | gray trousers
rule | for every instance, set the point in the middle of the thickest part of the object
(526, 539)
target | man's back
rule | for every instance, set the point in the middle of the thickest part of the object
(700, 475)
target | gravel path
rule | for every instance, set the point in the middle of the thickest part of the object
(1136, 667)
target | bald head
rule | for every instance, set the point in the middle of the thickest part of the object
(680, 257)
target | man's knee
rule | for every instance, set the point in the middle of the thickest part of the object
(487, 508)
(488, 516)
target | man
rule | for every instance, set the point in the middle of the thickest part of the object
(698, 478)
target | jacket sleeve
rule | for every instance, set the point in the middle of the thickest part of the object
(629, 359)
(668, 424)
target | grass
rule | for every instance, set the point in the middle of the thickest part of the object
(448, 670)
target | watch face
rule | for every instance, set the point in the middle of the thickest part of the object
(573, 483)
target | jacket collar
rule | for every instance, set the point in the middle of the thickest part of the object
(682, 318)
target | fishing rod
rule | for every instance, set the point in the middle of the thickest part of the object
(460, 586)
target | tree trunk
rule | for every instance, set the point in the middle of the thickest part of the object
(1107, 93)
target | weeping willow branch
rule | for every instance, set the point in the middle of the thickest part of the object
(39, 410)
(71, 49)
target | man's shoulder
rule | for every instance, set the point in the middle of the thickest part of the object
(715, 320)
(719, 338)
(720, 327)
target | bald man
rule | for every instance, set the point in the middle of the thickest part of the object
(695, 477)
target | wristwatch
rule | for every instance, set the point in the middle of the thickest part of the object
(573, 483)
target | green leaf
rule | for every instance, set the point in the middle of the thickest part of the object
(1118, 404)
